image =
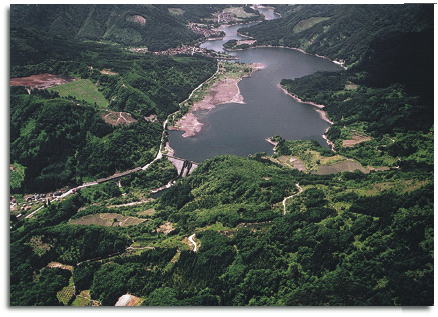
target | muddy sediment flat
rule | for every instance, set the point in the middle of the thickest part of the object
(223, 91)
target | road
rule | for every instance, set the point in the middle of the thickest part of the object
(192, 241)
(300, 190)
(157, 157)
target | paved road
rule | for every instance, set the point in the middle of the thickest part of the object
(157, 157)
(192, 241)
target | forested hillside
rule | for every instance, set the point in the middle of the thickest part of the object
(87, 147)
(341, 241)
(134, 25)
(342, 32)
(238, 231)
(386, 99)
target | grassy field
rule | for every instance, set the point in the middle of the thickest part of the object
(176, 11)
(308, 157)
(82, 89)
(84, 299)
(239, 12)
(308, 23)
(16, 172)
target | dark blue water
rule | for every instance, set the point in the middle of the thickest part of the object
(241, 129)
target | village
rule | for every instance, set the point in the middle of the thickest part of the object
(194, 50)
(31, 201)
(205, 31)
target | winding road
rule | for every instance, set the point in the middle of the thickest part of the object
(300, 190)
(145, 167)
(192, 241)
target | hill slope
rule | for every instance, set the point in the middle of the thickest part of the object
(133, 25)
(342, 32)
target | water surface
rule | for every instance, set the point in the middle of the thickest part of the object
(241, 129)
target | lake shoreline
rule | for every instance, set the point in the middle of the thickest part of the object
(322, 113)
(222, 92)
(337, 62)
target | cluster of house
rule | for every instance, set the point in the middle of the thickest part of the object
(139, 49)
(225, 17)
(184, 49)
(204, 30)
(32, 199)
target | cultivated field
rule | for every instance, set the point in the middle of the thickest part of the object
(107, 220)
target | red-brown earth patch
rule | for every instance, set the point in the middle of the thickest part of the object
(355, 139)
(40, 81)
(136, 19)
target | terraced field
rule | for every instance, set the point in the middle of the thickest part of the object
(107, 220)
(66, 294)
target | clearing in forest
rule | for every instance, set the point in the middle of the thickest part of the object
(308, 23)
(117, 118)
(107, 220)
(82, 89)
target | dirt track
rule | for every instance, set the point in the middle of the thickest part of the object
(117, 118)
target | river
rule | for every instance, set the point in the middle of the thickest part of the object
(241, 129)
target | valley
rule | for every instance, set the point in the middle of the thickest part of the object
(221, 155)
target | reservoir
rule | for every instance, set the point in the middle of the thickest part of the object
(241, 129)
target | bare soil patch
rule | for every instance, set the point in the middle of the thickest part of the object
(108, 72)
(118, 118)
(60, 266)
(297, 163)
(165, 228)
(151, 118)
(343, 166)
(134, 203)
(243, 42)
(40, 81)
(355, 139)
(129, 300)
(136, 19)
(224, 91)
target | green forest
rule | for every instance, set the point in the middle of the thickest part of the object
(238, 231)
(341, 32)
(87, 147)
